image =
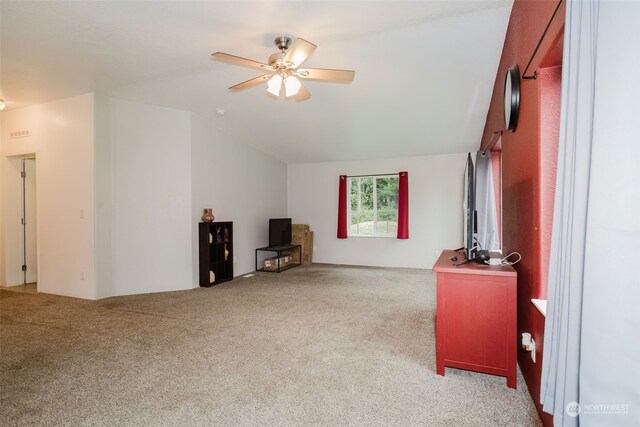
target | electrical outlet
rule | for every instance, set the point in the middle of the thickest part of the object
(315, 248)
(82, 275)
(533, 350)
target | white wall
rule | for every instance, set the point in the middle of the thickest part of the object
(147, 172)
(62, 139)
(435, 210)
(132, 165)
(240, 184)
(143, 199)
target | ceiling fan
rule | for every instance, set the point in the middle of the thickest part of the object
(282, 69)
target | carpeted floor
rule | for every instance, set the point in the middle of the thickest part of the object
(318, 345)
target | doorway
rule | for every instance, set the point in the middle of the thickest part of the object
(21, 259)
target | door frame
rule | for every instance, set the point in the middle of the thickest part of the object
(13, 211)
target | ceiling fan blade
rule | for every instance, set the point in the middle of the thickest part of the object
(302, 94)
(244, 62)
(299, 52)
(340, 76)
(250, 83)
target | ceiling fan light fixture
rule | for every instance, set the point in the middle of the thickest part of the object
(274, 85)
(292, 86)
(283, 69)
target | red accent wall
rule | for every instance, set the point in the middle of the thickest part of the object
(529, 157)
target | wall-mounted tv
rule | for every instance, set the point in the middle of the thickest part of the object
(279, 232)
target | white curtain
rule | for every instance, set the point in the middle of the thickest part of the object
(486, 203)
(590, 371)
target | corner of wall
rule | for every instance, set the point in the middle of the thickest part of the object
(102, 195)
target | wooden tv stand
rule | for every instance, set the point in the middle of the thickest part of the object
(476, 317)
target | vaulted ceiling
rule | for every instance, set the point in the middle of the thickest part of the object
(424, 69)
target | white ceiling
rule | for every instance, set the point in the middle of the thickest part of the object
(424, 69)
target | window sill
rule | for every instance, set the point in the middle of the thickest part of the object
(541, 305)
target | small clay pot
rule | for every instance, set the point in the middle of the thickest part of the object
(207, 216)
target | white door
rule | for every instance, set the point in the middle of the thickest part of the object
(30, 220)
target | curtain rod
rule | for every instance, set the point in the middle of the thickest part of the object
(535, 73)
(375, 174)
(490, 145)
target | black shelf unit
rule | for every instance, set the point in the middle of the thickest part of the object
(292, 251)
(216, 252)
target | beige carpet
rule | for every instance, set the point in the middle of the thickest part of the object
(319, 345)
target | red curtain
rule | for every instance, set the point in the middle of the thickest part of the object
(403, 205)
(342, 207)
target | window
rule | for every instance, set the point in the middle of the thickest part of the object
(373, 206)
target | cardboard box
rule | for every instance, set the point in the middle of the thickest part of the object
(298, 233)
(302, 235)
(298, 236)
(271, 264)
(310, 246)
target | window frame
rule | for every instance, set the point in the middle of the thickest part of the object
(374, 177)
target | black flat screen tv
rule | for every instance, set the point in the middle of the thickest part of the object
(470, 225)
(279, 231)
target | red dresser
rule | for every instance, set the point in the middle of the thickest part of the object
(476, 317)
